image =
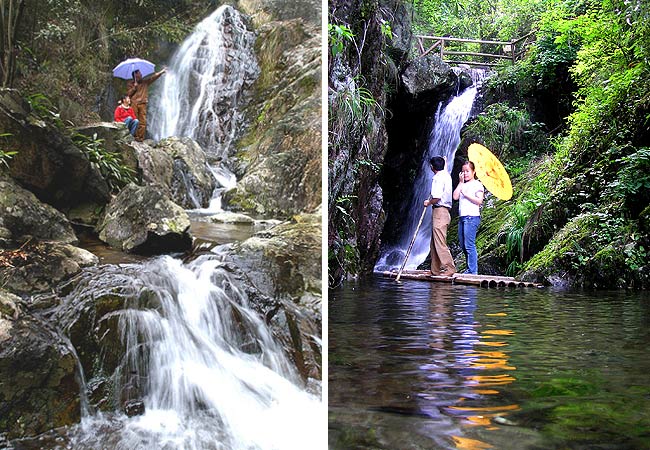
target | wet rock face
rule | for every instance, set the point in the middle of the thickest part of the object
(191, 183)
(284, 263)
(142, 219)
(308, 10)
(24, 217)
(279, 159)
(38, 386)
(47, 163)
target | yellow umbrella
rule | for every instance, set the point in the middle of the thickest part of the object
(490, 171)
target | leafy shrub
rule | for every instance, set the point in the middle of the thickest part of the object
(108, 163)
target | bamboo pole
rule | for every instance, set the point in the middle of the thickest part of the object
(408, 252)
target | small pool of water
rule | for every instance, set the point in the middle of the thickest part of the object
(416, 365)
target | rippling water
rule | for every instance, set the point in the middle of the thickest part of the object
(431, 365)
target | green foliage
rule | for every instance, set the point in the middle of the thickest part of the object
(508, 131)
(43, 107)
(108, 163)
(343, 252)
(350, 108)
(338, 36)
(633, 180)
(478, 19)
(6, 155)
(386, 29)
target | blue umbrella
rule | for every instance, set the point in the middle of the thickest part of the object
(126, 68)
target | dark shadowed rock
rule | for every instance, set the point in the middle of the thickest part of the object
(134, 408)
(47, 163)
(24, 217)
(464, 78)
(38, 386)
(143, 219)
(400, 23)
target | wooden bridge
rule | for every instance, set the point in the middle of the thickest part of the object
(487, 281)
(490, 52)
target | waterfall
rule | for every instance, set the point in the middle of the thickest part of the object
(203, 92)
(443, 141)
(204, 363)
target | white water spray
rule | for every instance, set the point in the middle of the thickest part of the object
(203, 91)
(209, 370)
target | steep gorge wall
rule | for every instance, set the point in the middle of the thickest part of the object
(358, 80)
(381, 105)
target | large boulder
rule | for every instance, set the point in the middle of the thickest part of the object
(428, 79)
(24, 217)
(38, 384)
(279, 158)
(154, 165)
(40, 266)
(284, 263)
(47, 163)
(192, 183)
(143, 219)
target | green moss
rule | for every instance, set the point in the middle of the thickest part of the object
(574, 387)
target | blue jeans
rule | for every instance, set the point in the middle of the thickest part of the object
(467, 229)
(132, 125)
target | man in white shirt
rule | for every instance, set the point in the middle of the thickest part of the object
(442, 262)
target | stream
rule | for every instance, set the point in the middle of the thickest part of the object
(416, 365)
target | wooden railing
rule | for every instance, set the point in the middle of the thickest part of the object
(496, 50)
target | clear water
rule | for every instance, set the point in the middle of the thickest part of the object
(416, 365)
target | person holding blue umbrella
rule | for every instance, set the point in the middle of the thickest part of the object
(137, 87)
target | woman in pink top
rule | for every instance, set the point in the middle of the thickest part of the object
(124, 113)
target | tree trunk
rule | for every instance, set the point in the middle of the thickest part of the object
(11, 12)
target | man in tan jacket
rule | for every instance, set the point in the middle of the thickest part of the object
(138, 89)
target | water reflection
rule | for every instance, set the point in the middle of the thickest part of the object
(419, 365)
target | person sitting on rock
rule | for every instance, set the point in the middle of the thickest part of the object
(124, 113)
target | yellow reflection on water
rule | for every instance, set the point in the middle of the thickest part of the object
(492, 344)
(496, 314)
(486, 391)
(499, 332)
(469, 444)
(491, 380)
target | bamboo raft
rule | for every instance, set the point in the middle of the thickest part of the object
(488, 281)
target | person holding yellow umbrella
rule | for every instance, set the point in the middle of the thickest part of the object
(470, 194)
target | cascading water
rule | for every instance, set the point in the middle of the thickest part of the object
(204, 89)
(443, 141)
(202, 94)
(203, 362)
